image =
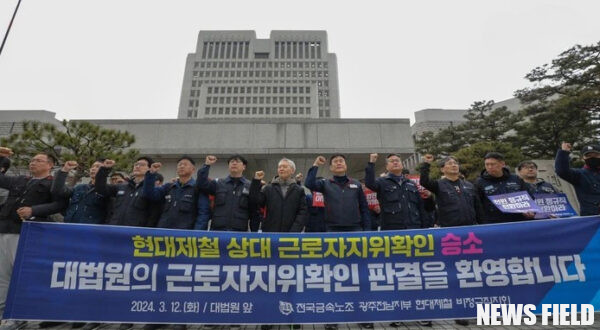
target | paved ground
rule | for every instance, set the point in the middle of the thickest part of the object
(378, 326)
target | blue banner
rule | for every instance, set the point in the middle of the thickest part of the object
(517, 202)
(72, 272)
(554, 205)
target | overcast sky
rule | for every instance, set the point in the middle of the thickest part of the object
(114, 59)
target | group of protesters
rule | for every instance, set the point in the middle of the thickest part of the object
(285, 204)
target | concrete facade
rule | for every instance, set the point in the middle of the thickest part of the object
(264, 142)
(233, 74)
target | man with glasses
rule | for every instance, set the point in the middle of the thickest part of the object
(457, 202)
(399, 199)
(29, 198)
(528, 171)
(130, 207)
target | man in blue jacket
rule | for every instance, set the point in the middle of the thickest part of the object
(401, 204)
(86, 205)
(346, 207)
(232, 211)
(185, 207)
(586, 180)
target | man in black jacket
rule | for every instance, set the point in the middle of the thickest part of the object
(285, 200)
(496, 179)
(30, 199)
(457, 202)
(130, 208)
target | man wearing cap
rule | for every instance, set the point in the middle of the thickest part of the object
(586, 180)
(496, 179)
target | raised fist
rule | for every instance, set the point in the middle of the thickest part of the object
(5, 152)
(259, 175)
(109, 163)
(428, 158)
(319, 161)
(373, 158)
(566, 146)
(155, 167)
(210, 159)
(69, 166)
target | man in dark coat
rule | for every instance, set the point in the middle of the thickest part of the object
(284, 199)
(586, 180)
